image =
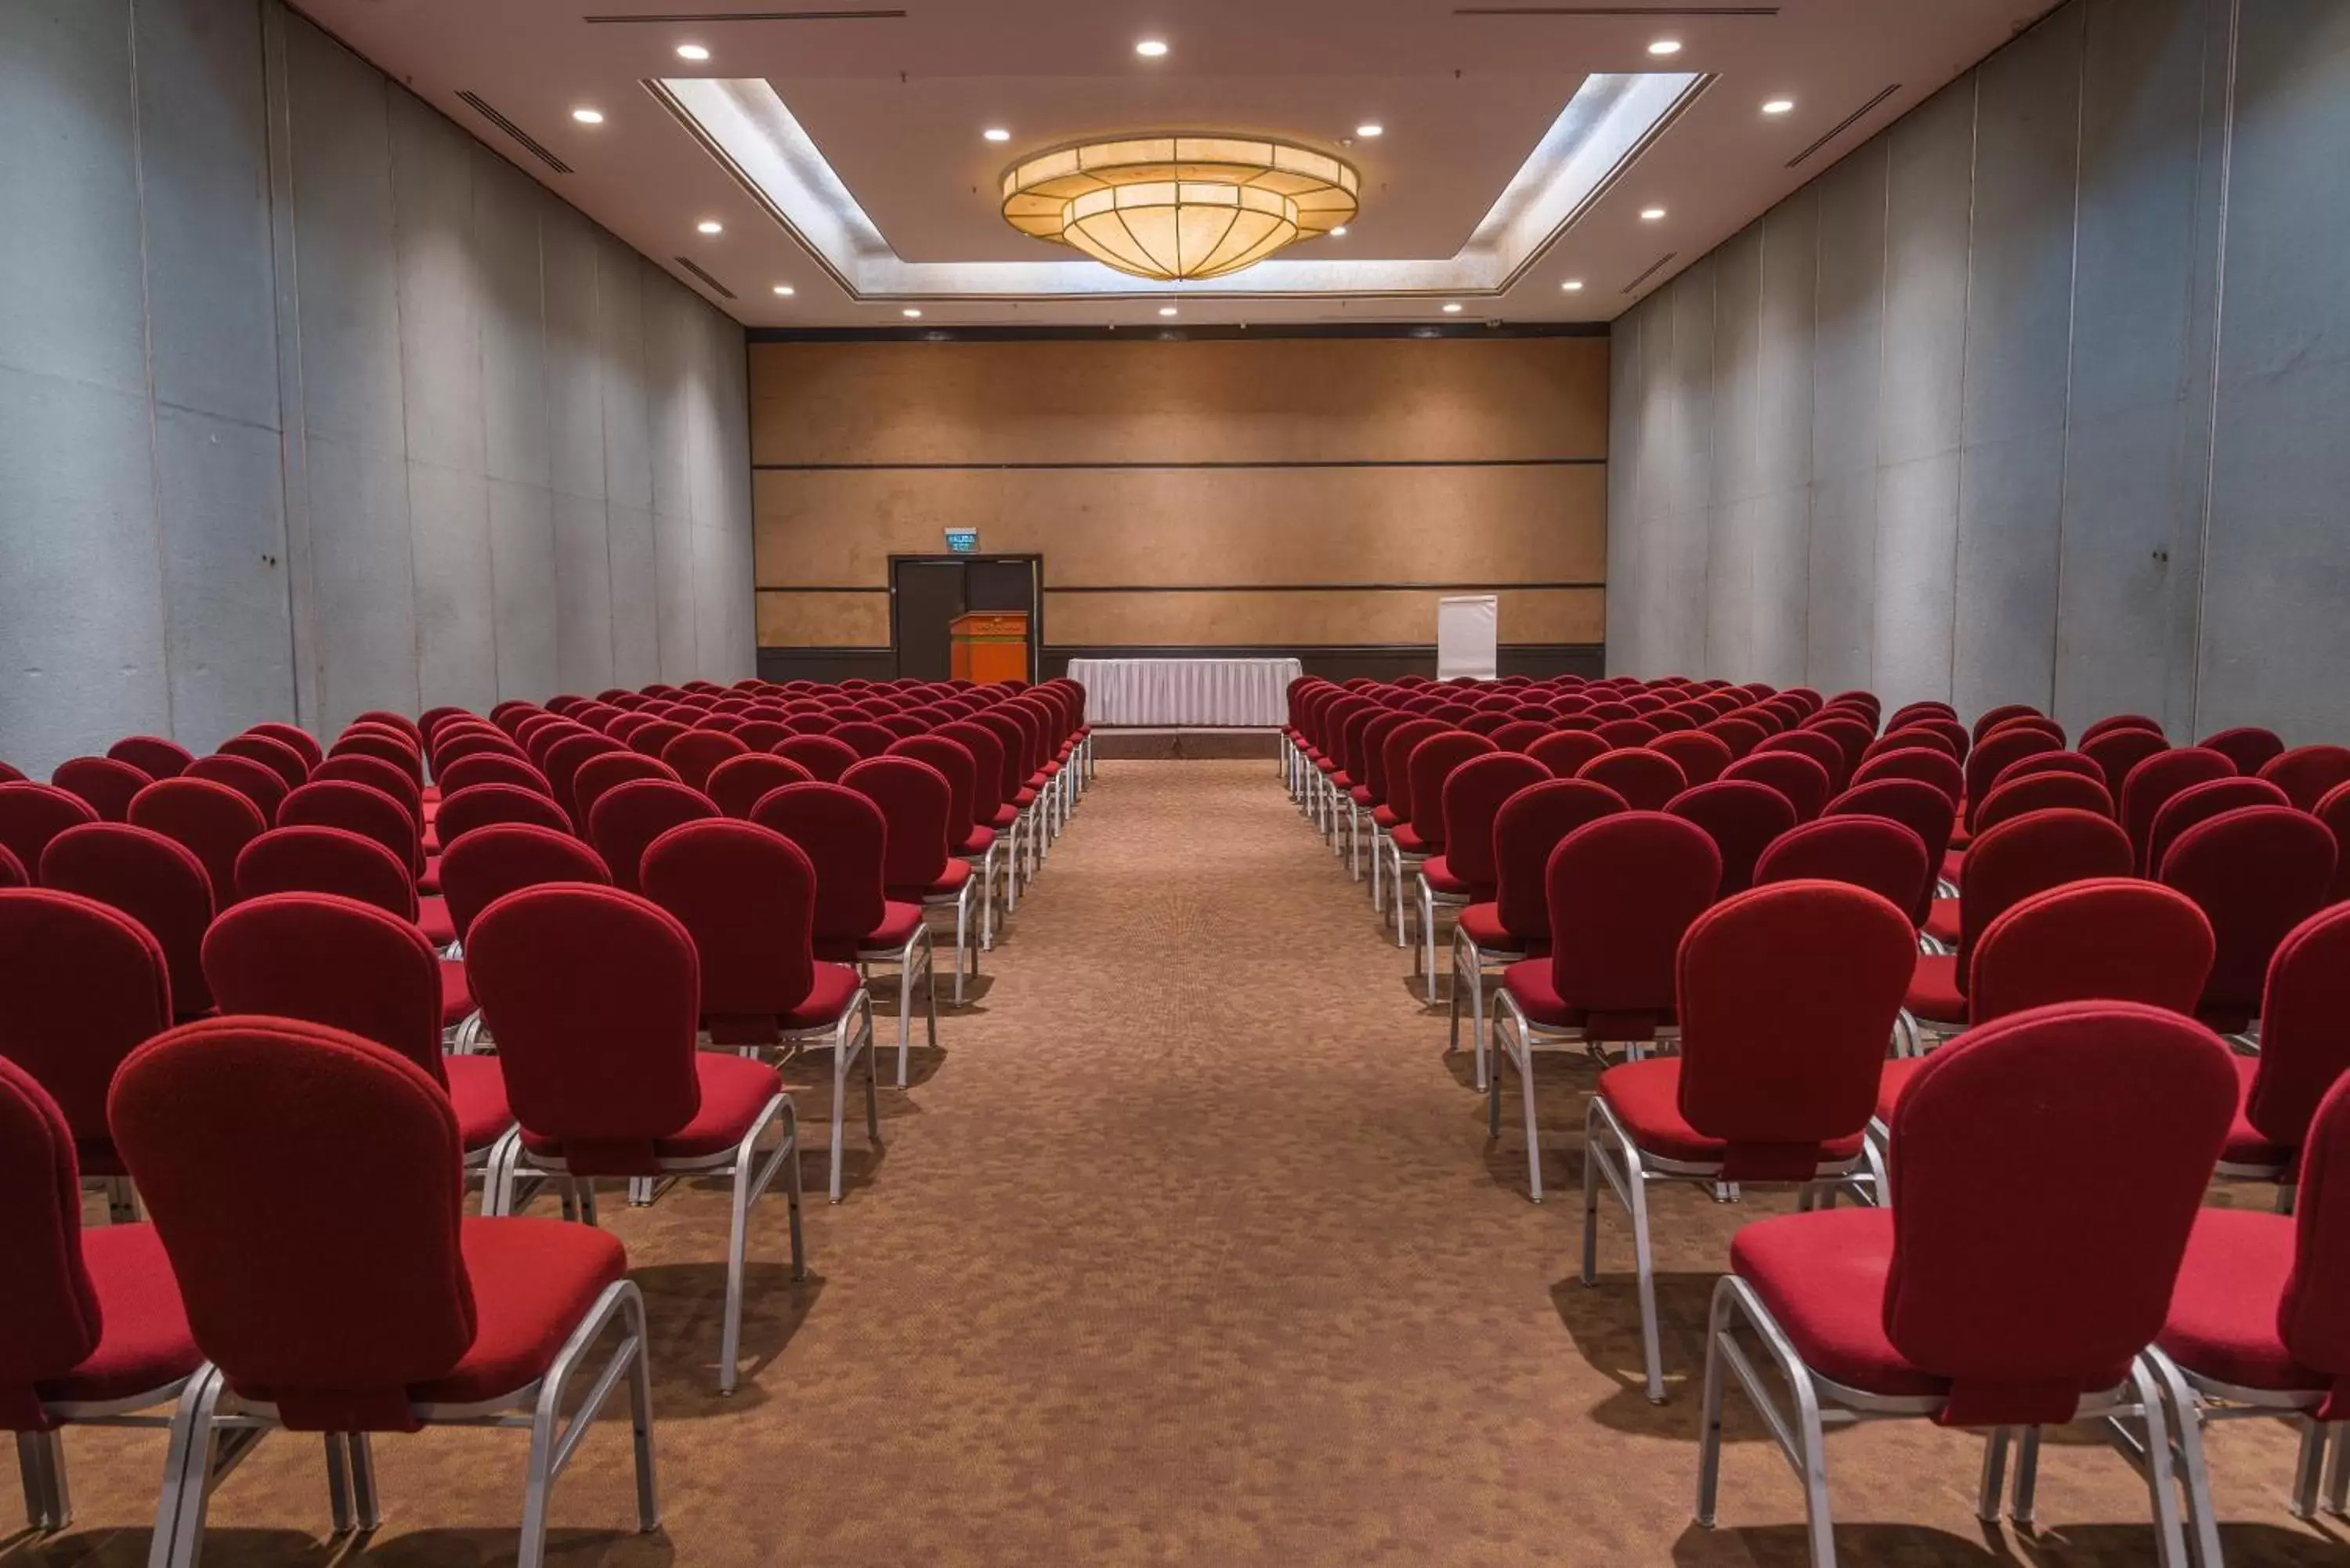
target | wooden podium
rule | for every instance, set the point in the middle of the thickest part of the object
(990, 645)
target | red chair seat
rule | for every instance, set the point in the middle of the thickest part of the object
(2246, 1145)
(1942, 922)
(1053, 767)
(1934, 990)
(1822, 1276)
(532, 1281)
(1343, 782)
(1645, 1098)
(432, 918)
(950, 883)
(1891, 1079)
(2224, 1310)
(837, 984)
(1442, 879)
(1481, 924)
(477, 1092)
(900, 922)
(1023, 800)
(1528, 982)
(1385, 817)
(143, 1343)
(456, 994)
(733, 1091)
(1361, 795)
(981, 841)
(429, 882)
(1408, 839)
(1006, 817)
(431, 835)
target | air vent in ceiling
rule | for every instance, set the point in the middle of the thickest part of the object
(625, 18)
(536, 149)
(1616, 10)
(1841, 126)
(1654, 268)
(690, 264)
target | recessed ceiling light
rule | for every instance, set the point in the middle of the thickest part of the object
(1779, 106)
(784, 289)
(911, 314)
(1666, 46)
(1453, 308)
(710, 227)
(1652, 214)
(692, 52)
(1151, 49)
(1166, 310)
(997, 133)
(1573, 285)
(1373, 128)
(1339, 233)
(588, 116)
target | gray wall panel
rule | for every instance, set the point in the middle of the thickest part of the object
(673, 584)
(619, 340)
(363, 579)
(1786, 340)
(528, 600)
(583, 595)
(635, 618)
(231, 648)
(506, 209)
(439, 289)
(457, 624)
(2010, 495)
(575, 372)
(1917, 540)
(1628, 405)
(1929, 200)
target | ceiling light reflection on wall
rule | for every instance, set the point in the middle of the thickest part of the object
(1339, 233)
(588, 116)
(1453, 308)
(710, 227)
(1666, 46)
(1372, 129)
(785, 290)
(693, 52)
(1166, 310)
(911, 314)
(1652, 214)
(997, 133)
(1779, 106)
(1151, 49)
(1573, 285)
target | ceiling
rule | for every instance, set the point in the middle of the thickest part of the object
(889, 100)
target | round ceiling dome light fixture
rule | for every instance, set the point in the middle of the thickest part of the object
(1182, 206)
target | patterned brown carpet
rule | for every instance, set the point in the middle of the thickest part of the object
(1188, 1248)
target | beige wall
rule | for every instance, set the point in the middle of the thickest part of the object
(1263, 478)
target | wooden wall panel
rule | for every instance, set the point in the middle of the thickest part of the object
(1281, 400)
(823, 620)
(1320, 618)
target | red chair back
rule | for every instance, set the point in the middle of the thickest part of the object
(1432, 762)
(329, 1299)
(737, 783)
(2041, 792)
(1917, 806)
(1528, 826)
(49, 1319)
(2257, 872)
(101, 783)
(382, 777)
(986, 751)
(292, 770)
(2050, 762)
(2334, 810)
(2112, 938)
(952, 762)
(152, 880)
(606, 772)
(2119, 752)
(452, 748)
(846, 837)
(629, 816)
(1700, 757)
(1801, 779)
(2316, 1303)
(2031, 723)
(2122, 722)
(33, 813)
(1473, 794)
(2249, 746)
(487, 865)
(11, 870)
(1947, 733)
(915, 800)
(2027, 855)
(2200, 803)
(1991, 719)
(1741, 818)
(1872, 852)
(385, 718)
(401, 752)
(153, 756)
(328, 860)
(334, 961)
(211, 821)
(1395, 761)
(2307, 774)
(694, 754)
(1565, 752)
(746, 895)
(1924, 764)
(1822, 749)
(2153, 782)
(826, 757)
(864, 737)
(81, 984)
(562, 760)
(356, 808)
(481, 805)
(1645, 779)
(1787, 996)
(1622, 891)
(2057, 1297)
(1995, 751)
(653, 737)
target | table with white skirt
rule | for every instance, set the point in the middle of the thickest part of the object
(1201, 693)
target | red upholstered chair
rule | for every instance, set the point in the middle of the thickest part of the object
(292, 768)
(33, 813)
(386, 718)
(2334, 810)
(1916, 806)
(1991, 719)
(2304, 1050)
(2257, 872)
(628, 817)
(480, 805)
(1517, 735)
(1926, 764)
(2122, 722)
(2119, 752)
(694, 754)
(1700, 757)
(487, 865)
(102, 784)
(653, 737)
(991, 809)
(2050, 762)
(258, 783)
(382, 742)
(2034, 723)
(1413, 840)
(1993, 753)
(747, 897)
(81, 984)
(823, 757)
(916, 801)
(353, 965)
(814, 722)
(1621, 891)
(357, 1307)
(2306, 773)
(361, 809)
(92, 1331)
(2029, 854)
(970, 841)
(1565, 752)
(152, 880)
(609, 770)
(1806, 784)
(457, 743)
(211, 821)
(1822, 749)
(1787, 995)
(1627, 731)
(1473, 797)
(1985, 1295)
(1645, 779)
(737, 783)
(2153, 782)
(353, 767)
(2041, 792)
(2249, 746)
(1848, 733)
(1885, 857)
(1741, 818)
(346, 864)
(153, 756)
(11, 870)
(864, 737)
(2255, 1320)
(562, 759)
(594, 996)
(2200, 803)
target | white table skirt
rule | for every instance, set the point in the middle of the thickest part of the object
(1220, 692)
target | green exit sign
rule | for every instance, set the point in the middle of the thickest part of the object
(962, 541)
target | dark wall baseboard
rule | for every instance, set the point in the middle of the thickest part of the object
(828, 664)
(1379, 661)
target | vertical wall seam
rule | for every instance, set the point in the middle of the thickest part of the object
(475, 251)
(1706, 503)
(2218, 317)
(1966, 324)
(147, 377)
(399, 368)
(285, 285)
(2071, 329)
(1876, 459)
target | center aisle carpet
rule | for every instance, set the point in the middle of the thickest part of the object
(1187, 1248)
